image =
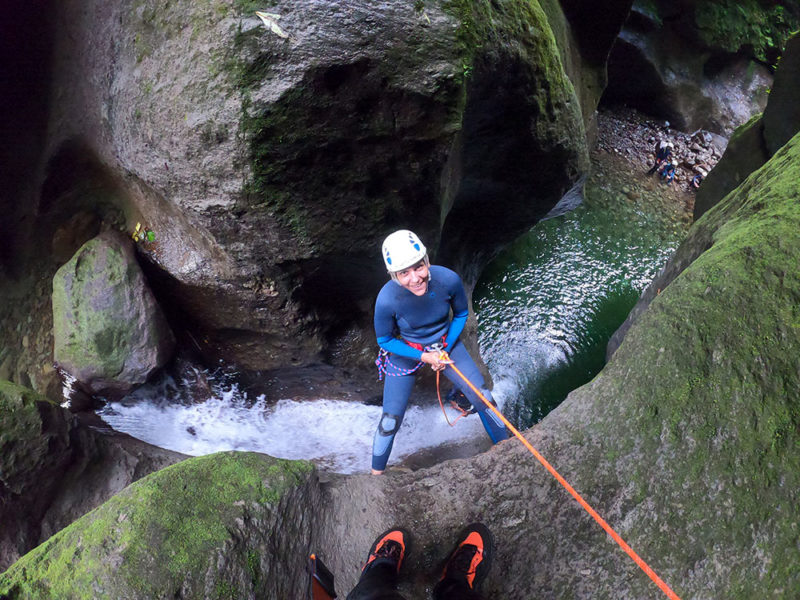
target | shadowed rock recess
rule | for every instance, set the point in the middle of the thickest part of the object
(700, 64)
(53, 470)
(688, 443)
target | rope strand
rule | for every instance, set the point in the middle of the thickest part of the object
(608, 529)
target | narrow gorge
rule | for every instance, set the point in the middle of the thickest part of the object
(194, 199)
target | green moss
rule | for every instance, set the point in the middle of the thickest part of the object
(161, 533)
(475, 18)
(248, 7)
(731, 25)
(486, 26)
(745, 127)
(710, 377)
(484, 23)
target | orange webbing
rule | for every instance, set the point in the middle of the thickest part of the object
(614, 535)
(444, 412)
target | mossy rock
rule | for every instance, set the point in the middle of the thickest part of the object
(782, 115)
(698, 411)
(109, 332)
(218, 526)
(745, 153)
(760, 27)
(520, 109)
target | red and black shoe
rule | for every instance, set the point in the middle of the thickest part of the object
(471, 559)
(391, 545)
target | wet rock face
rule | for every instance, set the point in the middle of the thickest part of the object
(676, 63)
(109, 333)
(596, 25)
(745, 153)
(756, 141)
(782, 115)
(53, 470)
(271, 164)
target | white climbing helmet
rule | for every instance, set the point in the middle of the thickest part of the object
(402, 249)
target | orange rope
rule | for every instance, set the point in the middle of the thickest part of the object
(614, 535)
(444, 412)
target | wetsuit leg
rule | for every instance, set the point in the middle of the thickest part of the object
(396, 391)
(378, 582)
(493, 425)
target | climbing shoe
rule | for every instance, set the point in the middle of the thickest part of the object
(390, 545)
(471, 559)
(460, 402)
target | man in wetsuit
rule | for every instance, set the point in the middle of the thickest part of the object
(412, 321)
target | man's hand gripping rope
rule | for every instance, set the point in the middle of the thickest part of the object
(436, 357)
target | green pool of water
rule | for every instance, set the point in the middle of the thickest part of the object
(549, 303)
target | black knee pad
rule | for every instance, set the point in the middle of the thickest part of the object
(389, 424)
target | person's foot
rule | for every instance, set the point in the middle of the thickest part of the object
(460, 402)
(471, 559)
(391, 546)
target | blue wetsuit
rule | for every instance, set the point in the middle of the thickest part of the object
(424, 320)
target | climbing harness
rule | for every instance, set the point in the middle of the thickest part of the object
(608, 529)
(388, 368)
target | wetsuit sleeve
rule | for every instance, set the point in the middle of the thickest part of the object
(399, 347)
(458, 301)
(456, 327)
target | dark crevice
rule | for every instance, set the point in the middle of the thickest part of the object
(26, 41)
(634, 81)
(502, 163)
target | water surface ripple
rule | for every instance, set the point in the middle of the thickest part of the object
(548, 304)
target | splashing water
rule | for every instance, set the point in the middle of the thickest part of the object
(336, 435)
